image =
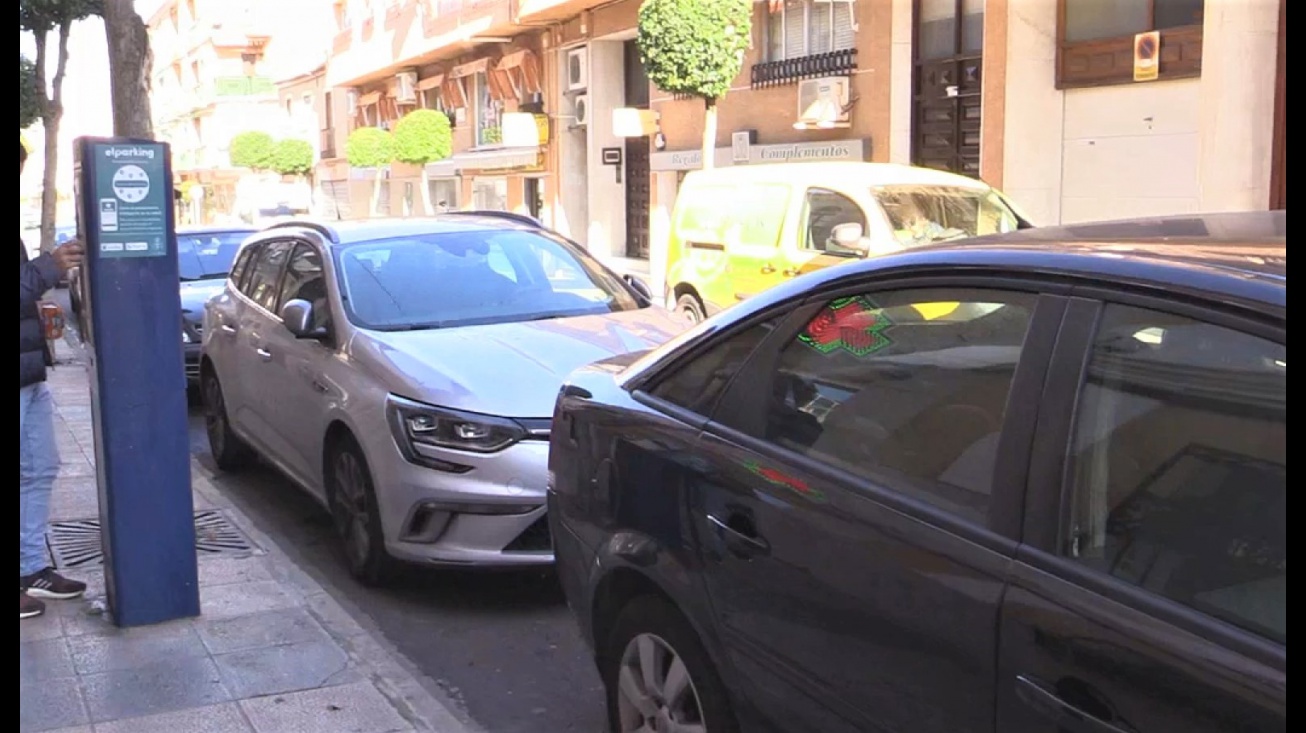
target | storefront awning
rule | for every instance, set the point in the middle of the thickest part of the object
(430, 82)
(469, 68)
(521, 157)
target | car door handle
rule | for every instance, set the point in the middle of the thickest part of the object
(790, 272)
(740, 535)
(225, 328)
(767, 269)
(263, 353)
(1066, 716)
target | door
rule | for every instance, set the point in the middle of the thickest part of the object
(1156, 600)
(856, 519)
(253, 360)
(221, 328)
(638, 181)
(814, 248)
(298, 390)
(946, 85)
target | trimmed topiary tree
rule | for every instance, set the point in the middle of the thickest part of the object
(251, 149)
(371, 147)
(423, 136)
(292, 157)
(695, 47)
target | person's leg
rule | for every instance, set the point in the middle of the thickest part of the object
(38, 466)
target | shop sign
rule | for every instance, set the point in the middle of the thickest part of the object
(854, 150)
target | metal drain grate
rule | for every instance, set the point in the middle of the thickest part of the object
(76, 543)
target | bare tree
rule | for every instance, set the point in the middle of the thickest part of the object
(129, 69)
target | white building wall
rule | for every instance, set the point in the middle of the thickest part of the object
(1147, 149)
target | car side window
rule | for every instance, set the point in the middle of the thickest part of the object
(265, 274)
(824, 210)
(907, 388)
(305, 280)
(241, 267)
(696, 385)
(1178, 465)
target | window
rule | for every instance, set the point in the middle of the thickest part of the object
(798, 28)
(823, 211)
(1179, 466)
(924, 214)
(242, 267)
(444, 194)
(207, 256)
(489, 113)
(907, 388)
(697, 385)
(305, 280)
(265, 275)
(1097, 39)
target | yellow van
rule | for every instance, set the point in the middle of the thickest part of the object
(739, 230)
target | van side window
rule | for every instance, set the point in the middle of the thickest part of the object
(823, 210)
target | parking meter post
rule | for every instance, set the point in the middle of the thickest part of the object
(125, 214)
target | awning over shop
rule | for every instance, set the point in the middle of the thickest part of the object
(430, 82)
(520, 157)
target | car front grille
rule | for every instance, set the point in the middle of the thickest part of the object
(535, 538)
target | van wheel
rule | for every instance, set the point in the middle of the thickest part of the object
(689, 306)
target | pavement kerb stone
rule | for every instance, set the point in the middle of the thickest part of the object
(366, 648)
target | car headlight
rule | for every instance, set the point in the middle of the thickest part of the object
(418, 427)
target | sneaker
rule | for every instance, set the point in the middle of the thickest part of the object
(28, 606)
(49, 584)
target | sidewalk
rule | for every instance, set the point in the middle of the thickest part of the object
(272, 652)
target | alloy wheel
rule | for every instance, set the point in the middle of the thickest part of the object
(655, 693)
(352, 514)
(215, 416)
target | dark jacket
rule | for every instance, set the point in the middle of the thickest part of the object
(36, 277)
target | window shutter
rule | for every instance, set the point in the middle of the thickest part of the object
(795, 44)
(845, 32)
(819, 27)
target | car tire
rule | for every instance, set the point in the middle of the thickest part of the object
(355, 513)
(229, 451)
(652, 626)
(689, 306)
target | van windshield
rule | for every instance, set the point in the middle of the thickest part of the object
(926, 214)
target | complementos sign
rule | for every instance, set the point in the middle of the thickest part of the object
(681, 160)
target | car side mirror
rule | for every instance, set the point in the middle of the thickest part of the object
(849, 235)
(297, 315)
(640, 287)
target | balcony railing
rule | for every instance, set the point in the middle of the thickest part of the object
(243, 86)
(790, 71)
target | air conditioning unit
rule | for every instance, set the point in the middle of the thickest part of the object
(823, 102)
(582, 107)
(578, 68)
(406, 87)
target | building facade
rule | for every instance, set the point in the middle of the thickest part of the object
(1037, 97)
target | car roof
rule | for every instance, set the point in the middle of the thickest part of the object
(216, 229)
(846, 172)
(1236, 258)
(340, 233)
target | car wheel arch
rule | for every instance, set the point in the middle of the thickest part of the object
(624, 584)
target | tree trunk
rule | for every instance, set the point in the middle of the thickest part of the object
(129, 69)
(376, 192)
(50, 119)
(709, 134)
(427, 208)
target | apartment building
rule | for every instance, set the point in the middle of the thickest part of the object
(1038, 97)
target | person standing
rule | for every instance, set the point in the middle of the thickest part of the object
(38, 456)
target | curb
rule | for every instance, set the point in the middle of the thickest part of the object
(408, 691)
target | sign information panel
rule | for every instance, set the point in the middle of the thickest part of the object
(131, 181)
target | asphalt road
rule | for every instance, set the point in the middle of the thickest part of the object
(502, 647)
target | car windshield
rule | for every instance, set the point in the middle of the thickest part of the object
(473, 278)
(207, 256)
(925, 214)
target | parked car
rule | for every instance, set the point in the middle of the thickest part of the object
(204, 258)
(737, 231)
(1062, 506)
(403, 372)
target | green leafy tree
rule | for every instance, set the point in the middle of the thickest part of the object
(371, 147)
(42, 18)
(695, 47)
(251, 149)
(29, 104)
(292, 157)
(423, 136)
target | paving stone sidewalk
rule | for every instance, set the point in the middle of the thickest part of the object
(272, 651)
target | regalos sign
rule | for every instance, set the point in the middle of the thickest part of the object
(683, 160)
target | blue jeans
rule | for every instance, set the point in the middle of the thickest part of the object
(38, 465)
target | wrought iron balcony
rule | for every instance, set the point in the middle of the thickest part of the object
(790, 71)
